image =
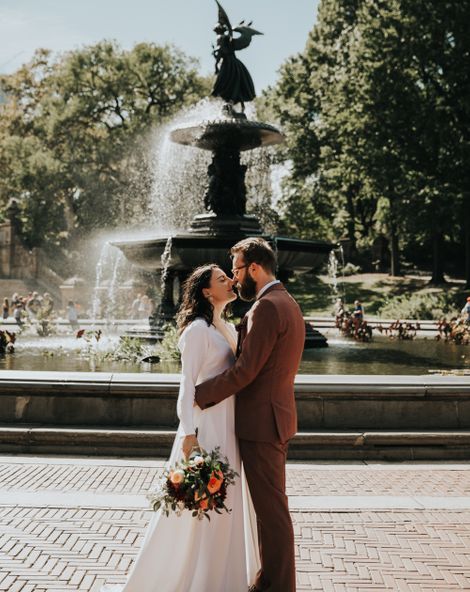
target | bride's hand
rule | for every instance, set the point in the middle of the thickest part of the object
(189, 443)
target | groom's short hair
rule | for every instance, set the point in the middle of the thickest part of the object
(256, 250)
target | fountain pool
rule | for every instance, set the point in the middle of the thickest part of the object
(381, 356)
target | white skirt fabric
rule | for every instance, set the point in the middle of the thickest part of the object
(184, 554)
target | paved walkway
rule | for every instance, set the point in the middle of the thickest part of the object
(70, 524)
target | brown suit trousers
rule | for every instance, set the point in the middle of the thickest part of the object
(271, 340)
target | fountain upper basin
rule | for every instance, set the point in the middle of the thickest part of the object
(236, 133)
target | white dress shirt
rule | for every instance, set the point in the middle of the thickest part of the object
(268, 285)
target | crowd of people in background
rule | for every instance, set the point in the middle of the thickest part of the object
(33, 306)
(142, 307)
(352, 323)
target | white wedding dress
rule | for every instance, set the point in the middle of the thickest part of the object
(184, 554)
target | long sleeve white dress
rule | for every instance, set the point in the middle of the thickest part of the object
(184, 554)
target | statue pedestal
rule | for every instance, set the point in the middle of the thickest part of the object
(236, 226)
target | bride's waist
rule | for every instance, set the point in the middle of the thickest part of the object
(205, 377)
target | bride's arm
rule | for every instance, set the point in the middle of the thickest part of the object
(193, 345)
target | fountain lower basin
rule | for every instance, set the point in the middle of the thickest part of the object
(190, 250)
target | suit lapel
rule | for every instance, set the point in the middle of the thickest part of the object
(242, 326)
(241, 330)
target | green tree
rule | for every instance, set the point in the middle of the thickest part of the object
(413, 56)
(74, 133)
(376, 111)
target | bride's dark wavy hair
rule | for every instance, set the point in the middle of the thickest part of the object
(194, 304)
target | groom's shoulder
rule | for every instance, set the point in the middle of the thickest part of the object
(278, 294)
(283, 302)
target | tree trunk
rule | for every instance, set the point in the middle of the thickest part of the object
(394, 251)
(437, 263)
(351, 223)
(437, 277)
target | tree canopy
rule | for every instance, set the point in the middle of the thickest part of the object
(376, 113)
(73, 134)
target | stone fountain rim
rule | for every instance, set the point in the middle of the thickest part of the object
(281, 242)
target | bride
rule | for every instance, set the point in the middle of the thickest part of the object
(184, 554)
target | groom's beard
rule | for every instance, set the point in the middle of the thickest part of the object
(247, 288)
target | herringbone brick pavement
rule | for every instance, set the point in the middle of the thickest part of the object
(103, 478)
(385, 550)
(363, 480)
(67, 548)
(52, 548)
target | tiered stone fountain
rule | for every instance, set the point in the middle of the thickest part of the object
(211, 235)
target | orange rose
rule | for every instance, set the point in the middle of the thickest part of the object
(204, 504)
(215, 482)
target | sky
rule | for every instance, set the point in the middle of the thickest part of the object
(60, 25)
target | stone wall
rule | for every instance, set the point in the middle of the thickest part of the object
(16, 261)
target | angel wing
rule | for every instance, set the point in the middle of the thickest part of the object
(246, 34)
(223, 17)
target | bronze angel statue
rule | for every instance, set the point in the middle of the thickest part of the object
(233, 83)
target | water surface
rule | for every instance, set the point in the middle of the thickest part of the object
(382, 356)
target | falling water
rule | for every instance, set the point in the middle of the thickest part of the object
(101, 266)
(333, 268)
(180, 172)
(112, 292)
(341, 255)
(333, 272)
(166, 260)
(111, 260)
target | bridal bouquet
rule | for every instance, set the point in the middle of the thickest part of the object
(198, 484)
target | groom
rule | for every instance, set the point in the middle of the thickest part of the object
(270, 344)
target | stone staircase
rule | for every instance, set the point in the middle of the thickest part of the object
(340, 417)
(9, 286)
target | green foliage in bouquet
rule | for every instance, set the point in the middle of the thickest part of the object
(198, 484)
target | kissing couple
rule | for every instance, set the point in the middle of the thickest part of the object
(237, 393)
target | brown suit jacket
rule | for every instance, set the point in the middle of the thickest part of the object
(271, 342)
